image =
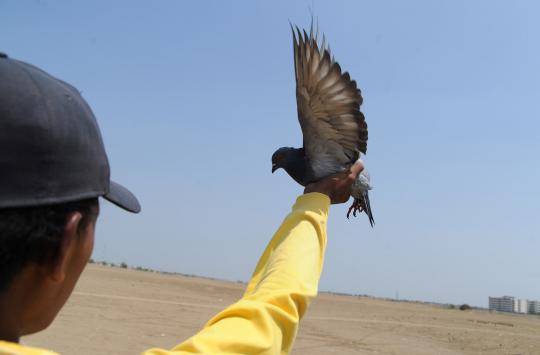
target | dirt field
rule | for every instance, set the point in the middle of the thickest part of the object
(118, 311)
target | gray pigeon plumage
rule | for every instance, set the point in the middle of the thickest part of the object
(334, 129)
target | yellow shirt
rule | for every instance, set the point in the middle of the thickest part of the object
(265, 320)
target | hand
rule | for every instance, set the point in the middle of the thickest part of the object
(337, 186)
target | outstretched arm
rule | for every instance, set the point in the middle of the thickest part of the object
(265, 320)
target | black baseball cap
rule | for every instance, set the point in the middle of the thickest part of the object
(51, 149)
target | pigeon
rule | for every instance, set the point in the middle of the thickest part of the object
(334, 129)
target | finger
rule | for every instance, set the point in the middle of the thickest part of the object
(357, 168)
(343, 197)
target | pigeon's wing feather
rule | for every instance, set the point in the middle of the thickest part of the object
(334, 128)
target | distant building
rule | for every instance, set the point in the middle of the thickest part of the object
(520, 305)
(502, 304)
(512, 304)
(533, 307)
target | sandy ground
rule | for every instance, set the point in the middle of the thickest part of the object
(118, 311)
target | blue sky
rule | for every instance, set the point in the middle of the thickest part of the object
(194, 96)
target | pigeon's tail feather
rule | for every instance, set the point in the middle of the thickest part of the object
(360, 204)
(368, 208)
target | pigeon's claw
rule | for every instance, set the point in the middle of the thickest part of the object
(355, 207)
(350, 209)
(362, 205)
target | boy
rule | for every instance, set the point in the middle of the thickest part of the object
(53, 169)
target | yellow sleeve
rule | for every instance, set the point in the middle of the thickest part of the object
(7, 348)
(265, 319)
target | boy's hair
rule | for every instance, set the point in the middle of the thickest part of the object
(34, 234)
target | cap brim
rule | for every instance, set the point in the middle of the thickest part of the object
(123, 198)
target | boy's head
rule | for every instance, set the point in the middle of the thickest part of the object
(43, 251)
(53, 169)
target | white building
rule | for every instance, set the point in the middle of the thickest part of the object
(512, 304)
(520, 305)
(502, 304)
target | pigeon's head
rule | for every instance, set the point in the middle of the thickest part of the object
(283, 158)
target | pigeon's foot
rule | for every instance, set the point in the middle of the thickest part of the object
(355, 207)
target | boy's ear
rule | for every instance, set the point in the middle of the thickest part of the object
(67, 247)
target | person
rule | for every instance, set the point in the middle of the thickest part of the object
(53, 169)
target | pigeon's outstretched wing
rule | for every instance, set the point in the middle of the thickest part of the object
(334, 129)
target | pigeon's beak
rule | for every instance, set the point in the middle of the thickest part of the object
(274, 167)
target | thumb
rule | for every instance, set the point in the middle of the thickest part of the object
(356, 168)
